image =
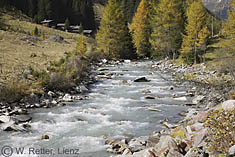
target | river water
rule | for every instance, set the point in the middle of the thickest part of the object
(112, 110)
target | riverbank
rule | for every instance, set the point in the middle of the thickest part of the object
(112, 108)
(15, 116)
(208, 127)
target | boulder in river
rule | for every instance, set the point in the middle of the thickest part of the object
(149, 97)
(5, 119)
(8, 126)
(44, 137)
(181, 98)
(22, 118)
(142, 79)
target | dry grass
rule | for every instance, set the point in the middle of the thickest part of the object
(17, 55)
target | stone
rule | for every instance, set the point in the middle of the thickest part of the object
(7, 126)
(5, 119)
(171, 88)
(228, 105)
(127, 61)
(124, 82)
(22, 118)
(169, 126)
(54, 102)
(189, 94)
(181, 98)
(44, 137)
(142, 79)
(127, 151)
(117, 146)
(174, 153)
(38, 105)
(104, 61)
(83, 89)
(154, 109)
(146, 91)
(26, 126)
(231, 151)
(198, 138)
(163, 142)
(192, 153)
(198, 99)
(145, 153)
(67, 98)
(149, 97)
(51, 94)
(189, 130)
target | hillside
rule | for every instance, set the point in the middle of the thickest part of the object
(19, 50)
(219, 7)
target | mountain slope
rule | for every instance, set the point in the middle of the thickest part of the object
(219, 7)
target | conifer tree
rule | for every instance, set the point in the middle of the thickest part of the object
(203, 37)
(67, 24)
(41, 10)
(168, 25)
(32, 6)
(229, 30)
(81, 45)
(113, 37)
(196, 21)
(140, 29)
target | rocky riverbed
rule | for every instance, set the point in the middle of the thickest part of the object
(192, 136)
(131, 99)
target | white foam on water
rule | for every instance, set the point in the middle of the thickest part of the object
(87, 143)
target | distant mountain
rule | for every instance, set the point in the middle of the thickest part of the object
(219, 7)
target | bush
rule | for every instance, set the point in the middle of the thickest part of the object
(59, 82)
(221, 130)
(232, 95)
(12, 92)
(35, 32)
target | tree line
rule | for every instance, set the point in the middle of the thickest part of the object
(163, 28)
(77, 11)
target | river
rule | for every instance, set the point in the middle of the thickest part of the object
(115, 108)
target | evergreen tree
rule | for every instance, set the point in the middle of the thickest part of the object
(203, 37)
(168, 25)
(41, 15)
(229, 30)
(196, 21)
(113, 37)
(81, 45)
(67, 24)
(35, 32)
(140, 29)
(32, 8)
(80, 29)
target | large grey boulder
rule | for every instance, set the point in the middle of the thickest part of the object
(231, 151)
(228, 105)
(5, 119)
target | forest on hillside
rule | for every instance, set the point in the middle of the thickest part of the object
(176, 29)
(76, 11)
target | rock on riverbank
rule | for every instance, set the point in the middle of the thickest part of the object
(191, 138)
(199, 134)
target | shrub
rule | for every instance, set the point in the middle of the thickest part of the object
(232, 95)
(12, 92)
(221, 130)
(59, 82)
(35, 32)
